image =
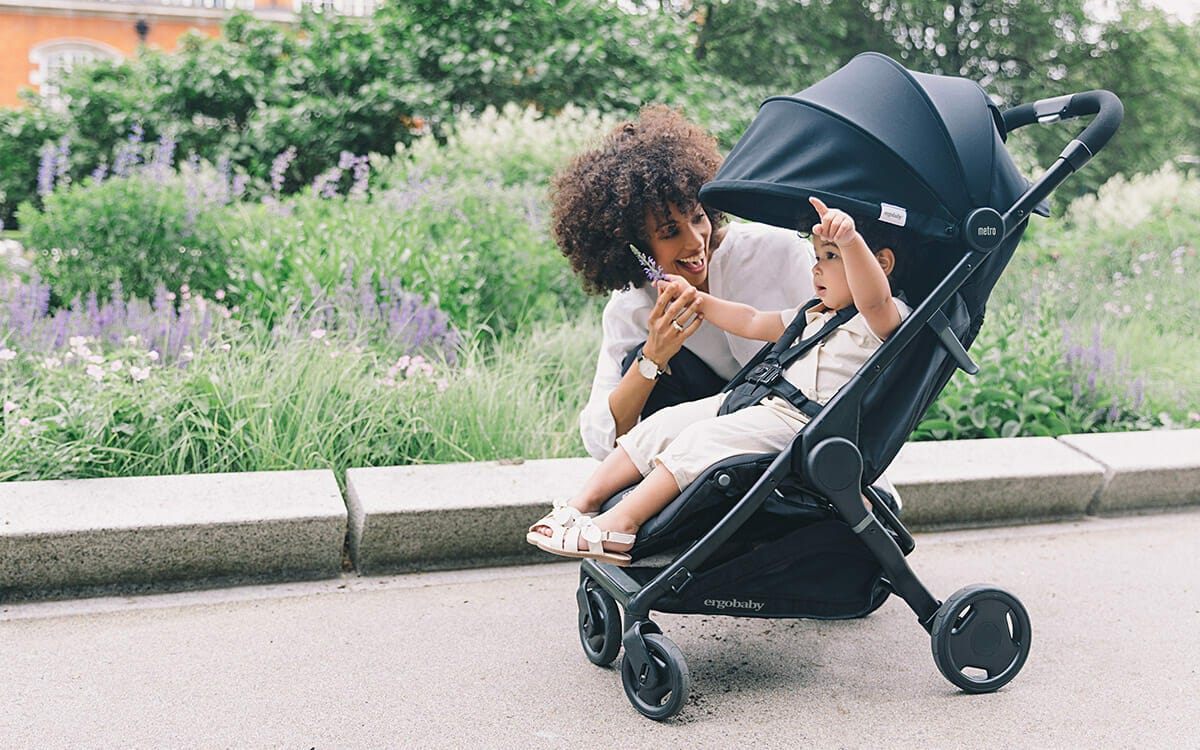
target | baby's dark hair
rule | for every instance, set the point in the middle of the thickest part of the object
(910, 275)
(599, 200)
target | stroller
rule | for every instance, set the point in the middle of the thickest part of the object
(787, 534)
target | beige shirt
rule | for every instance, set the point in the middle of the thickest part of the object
(829, 365)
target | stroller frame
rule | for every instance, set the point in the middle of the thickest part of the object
(980, 627)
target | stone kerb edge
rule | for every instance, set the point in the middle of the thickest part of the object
(452, 515)
(465, 515)
(90, 536)
(1155, 469)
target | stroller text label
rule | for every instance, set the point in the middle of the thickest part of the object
(749, 604)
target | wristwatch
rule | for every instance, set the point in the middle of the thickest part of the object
(647, 368)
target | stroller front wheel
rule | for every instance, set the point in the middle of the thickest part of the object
(660, 688)
(599, 624)
(980, 638)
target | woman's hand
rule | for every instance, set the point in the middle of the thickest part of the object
(673, 319)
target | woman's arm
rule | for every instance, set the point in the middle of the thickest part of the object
(733, 317)
(617, 399)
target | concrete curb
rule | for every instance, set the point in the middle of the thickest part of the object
(82, 537)
(62, 538)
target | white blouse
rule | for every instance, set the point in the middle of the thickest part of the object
(756, 264)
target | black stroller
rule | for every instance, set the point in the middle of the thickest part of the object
(787, 535)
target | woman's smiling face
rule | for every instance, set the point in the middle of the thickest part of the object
(679, 242)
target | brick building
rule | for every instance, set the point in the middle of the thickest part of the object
(40, 39)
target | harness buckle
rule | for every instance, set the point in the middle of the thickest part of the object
(765, 373)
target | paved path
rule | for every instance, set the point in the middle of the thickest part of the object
(490, 659)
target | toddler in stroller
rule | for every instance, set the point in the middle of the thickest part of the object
(786, 533)
(853, 313)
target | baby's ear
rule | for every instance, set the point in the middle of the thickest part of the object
(887, 260)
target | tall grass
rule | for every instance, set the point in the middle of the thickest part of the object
(262, 402)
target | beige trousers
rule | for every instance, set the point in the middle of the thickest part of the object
(688, 438)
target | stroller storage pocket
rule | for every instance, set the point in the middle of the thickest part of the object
(820, 571)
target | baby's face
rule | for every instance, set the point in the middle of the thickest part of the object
(829, 276)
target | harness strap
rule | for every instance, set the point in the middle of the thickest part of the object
(766, 378)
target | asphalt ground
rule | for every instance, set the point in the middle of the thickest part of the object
(490, 658)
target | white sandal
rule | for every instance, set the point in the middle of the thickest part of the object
(560, 516)
(565, 542)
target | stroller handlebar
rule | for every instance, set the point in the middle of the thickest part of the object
(1104, 104)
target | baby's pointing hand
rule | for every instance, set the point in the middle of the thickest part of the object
(836, 225)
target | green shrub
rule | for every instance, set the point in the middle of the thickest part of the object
(1033, 381)
(23, 133)
(135, 231)
(480, 251)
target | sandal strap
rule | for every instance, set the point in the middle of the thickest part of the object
(596, 536)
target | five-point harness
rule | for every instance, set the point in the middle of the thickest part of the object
(765, 377)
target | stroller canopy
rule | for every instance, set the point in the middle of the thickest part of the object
(879, 141)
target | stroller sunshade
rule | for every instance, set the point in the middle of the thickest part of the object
(924, 161)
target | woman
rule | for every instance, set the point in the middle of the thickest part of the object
(639, 188)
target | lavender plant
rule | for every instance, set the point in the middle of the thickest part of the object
(147, 224)
(650, 267)
(386, 318)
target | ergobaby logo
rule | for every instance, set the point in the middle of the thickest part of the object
(749, 604)
(893, 214)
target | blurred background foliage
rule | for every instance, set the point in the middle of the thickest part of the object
(337, 84)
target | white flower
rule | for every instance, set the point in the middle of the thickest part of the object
(7, 354)
(117, 365)
(186, 355)
(95, 359)
(95, 372)
(10, 406)
(139, 373)
(24, 421)
(77, 341)
(153, 355)
(51, 363)
(132, 340)
(318, 333)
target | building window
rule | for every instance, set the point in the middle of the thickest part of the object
(341, 7)
(52, 61)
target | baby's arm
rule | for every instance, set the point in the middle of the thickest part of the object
(866, 278)
(734, 317)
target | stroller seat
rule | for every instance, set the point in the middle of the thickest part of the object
(787, 534)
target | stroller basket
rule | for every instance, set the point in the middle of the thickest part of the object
(787, 535)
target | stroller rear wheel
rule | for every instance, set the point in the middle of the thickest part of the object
(660, 688)
(599, 623)
(980, 638)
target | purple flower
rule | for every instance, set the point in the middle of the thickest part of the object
(159, 326)
(46, 170)
(62, 166)
(362, 171)
(129, 152)
(326, 184)
(653, 271)
(383, 314)
(279, 168)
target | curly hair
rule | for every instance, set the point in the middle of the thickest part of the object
(599, 200)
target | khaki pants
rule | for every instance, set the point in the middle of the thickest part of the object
(688, 438)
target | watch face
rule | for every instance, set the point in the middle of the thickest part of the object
(648, 369)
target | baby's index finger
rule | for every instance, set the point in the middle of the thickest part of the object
(818, 204)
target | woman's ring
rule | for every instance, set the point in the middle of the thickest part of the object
(676, 326)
